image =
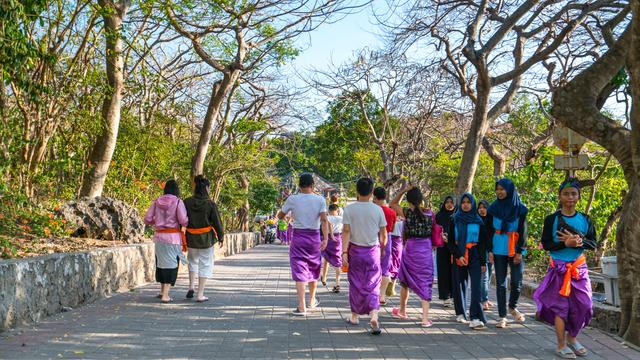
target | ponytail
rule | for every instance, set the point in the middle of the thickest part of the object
(201, 185)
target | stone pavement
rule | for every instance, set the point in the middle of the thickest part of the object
(248, 317)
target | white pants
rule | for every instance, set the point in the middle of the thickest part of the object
(201, 261)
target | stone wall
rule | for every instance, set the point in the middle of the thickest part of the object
(33, 288)
(605, 317)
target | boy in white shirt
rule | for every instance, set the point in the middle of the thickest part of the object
(309, 212)
(332, 254)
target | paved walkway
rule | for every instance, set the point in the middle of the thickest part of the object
(248, 317)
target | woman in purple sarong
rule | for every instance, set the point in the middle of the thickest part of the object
(563, 298)
(332, 254)
(416, 265)
(309, 212)
(364, 237)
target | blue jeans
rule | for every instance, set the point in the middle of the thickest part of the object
(485, 283)
(501, 263)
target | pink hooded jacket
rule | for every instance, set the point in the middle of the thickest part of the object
(167, 212)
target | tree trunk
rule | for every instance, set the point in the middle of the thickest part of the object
(243, 212)
(218, 94)
(102, 153)
(606, 230)
(473, 144)
(628, 250)
(499, 159)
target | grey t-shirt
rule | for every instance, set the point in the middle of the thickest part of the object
(365, 220)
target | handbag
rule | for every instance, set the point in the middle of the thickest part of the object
(436, 233)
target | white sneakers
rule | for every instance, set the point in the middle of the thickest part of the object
(460, 318)
(447, 303)
(477, 325)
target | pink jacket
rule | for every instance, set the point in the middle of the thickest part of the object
(167, 212)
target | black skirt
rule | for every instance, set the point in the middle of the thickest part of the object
(167, 276)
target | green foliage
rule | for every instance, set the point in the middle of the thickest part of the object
(263, 196)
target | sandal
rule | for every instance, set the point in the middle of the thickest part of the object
(396, 313)
(578, 349)
(375, 327)
(190, 294)
(351, 322)
(315, 304)
(566, 353)
(427, 324)
(203, 299)
(383, 303)
(336, 289)
(167, 301)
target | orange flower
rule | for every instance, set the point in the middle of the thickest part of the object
(162, 185)
(50, 215)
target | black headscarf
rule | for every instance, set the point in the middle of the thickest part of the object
(443, 218)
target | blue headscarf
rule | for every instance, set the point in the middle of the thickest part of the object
(463, 218)
(571, 182)
(510, 208)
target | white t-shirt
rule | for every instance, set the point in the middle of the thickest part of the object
(397, 228)
(365, 220)
(336, 223)
(306, 210)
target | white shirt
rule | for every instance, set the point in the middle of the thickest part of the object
(336, 223)
(397, 228)
(365, 220)
(306, 210)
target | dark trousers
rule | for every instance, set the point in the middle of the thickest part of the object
(500, 265)
(443, 262)
(462, 275)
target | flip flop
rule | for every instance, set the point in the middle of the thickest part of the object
(566, 353)
(167, 301)
(336, 289)
(396, 313)
(375, 329)
(383, 303)
(316, 303)
(578, 349)
(350, 322)
(203, 300)
(190, 294)
(427, 324)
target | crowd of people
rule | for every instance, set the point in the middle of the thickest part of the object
(379, 244)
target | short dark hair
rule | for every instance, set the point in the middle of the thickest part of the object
(364, 186)
(305, 180)
(333, 207)
(171, 187)
(380, 193)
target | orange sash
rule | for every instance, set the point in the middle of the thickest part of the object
(175, 231)
(203, 230)
(466, 253)
(513, 237)
(572, 271)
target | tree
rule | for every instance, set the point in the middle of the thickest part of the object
(488, 47)
(113, 14)
(237, 37)
(577, 105)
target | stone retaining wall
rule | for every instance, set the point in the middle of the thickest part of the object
(33, 288)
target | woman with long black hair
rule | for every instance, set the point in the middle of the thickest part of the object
(203, 231)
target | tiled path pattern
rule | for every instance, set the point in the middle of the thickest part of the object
(248, 317)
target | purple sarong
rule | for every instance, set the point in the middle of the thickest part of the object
(385, 260)
(304, 255)
(416, 267)
(576, 309)
(289, 235)
(396, 255)
(364, 278)
(333, 252)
